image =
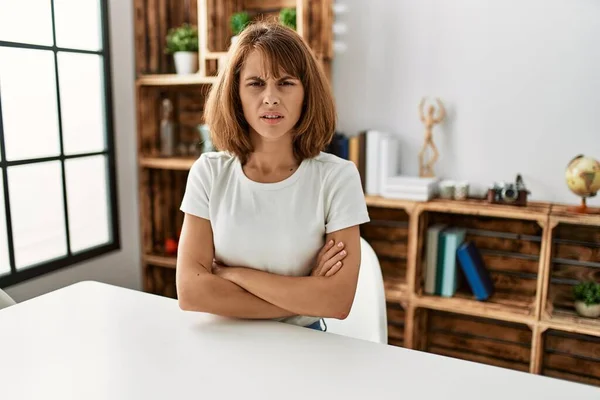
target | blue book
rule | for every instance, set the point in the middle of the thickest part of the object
(475, 271)
(452, 239)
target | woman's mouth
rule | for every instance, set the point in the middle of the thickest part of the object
(271, 118)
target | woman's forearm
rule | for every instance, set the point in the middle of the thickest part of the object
(312, 295)
(204, 292)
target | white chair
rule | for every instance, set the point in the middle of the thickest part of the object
(5, 300)
(368, 318)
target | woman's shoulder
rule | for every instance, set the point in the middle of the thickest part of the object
(213, 162)
(331, 165)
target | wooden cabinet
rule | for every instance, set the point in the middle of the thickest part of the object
(535, 255)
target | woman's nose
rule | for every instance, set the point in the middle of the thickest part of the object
(271, 97)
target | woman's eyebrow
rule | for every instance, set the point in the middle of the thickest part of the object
(254, 78)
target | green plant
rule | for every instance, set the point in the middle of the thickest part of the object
(182, 38)
(239, 21)
(588, 292)
(287, 17)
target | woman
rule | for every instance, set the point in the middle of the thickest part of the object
(271, 226)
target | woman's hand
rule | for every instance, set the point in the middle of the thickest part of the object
(329, 259)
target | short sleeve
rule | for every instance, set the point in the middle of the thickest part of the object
(197, 191)
(345, 199)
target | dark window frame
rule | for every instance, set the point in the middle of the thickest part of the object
(17, 276)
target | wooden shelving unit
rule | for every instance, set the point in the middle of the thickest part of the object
(535, 253)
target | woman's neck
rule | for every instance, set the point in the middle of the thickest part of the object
(272, 156)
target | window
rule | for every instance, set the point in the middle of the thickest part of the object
(57, 158)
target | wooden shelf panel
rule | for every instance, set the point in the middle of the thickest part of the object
(567, 321)
(396, 291)
(378, 201)
(174, 80)
(160, 261)
(571, 356)
(170, 163)
(504, 308)
(533, 211)
(396, 320)
(564, 213)
(482, 340)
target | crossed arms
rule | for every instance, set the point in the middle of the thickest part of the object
(239, 292)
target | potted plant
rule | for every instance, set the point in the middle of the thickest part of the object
(587, 299)
(182, 42)
(287, 17)
(238, 22)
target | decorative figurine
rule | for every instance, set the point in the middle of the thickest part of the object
(429, 120)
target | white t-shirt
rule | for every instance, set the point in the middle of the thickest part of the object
(275, 227)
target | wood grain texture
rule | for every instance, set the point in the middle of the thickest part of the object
(485, 340)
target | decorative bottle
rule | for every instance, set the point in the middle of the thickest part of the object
(167, 134)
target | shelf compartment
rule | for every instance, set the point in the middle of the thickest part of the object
(160, 198)
(574, 257)
(167, 163)
(387, 233)
(187, 115)
(572, 357)
(512, 252)
(396, 321)
(482, 340)
(504, 307)
(160, 281)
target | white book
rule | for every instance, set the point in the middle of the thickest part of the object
(405, 196)
(410, 184)
(372, 184)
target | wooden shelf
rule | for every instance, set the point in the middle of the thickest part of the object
(571, 322)
(174, 80)
(160, 261)
(378, 201)
(533, 211)
(487, 309)
(564, 213)
(396, 291)
(171, 163)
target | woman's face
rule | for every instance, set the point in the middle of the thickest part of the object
(271, 106)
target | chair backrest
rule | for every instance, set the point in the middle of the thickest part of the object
(367, 319)
(5, 300)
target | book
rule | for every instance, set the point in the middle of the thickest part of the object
(372, 168)
(432, 259)
(410, 188)
(452, 239)
(475, 272)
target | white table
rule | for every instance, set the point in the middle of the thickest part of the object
(96, 341)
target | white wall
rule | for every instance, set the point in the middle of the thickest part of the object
(120, 268)
(521, 80)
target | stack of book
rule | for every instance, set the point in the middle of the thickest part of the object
(375, 154)
(449, 259)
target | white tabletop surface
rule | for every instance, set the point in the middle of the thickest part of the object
(96, 341)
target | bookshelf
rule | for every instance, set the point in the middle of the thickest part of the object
(535, 253)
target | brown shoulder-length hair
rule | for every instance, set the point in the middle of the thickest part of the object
(283, 51)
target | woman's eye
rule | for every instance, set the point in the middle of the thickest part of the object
(287, 83)
(255, 84)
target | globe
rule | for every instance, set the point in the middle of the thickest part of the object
(583, 177)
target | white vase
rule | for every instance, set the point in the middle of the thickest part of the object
(186, 62)
(591, 311)
(234, 39)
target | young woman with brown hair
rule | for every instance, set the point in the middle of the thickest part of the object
(271, 226)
